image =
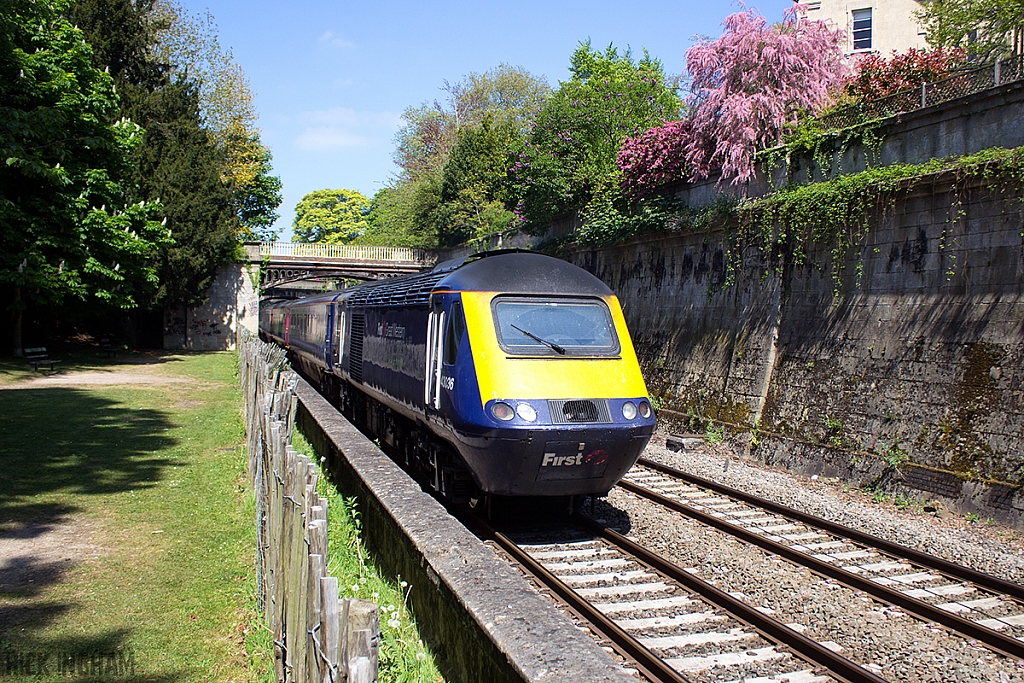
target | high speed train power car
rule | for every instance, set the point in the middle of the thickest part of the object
(502, 374)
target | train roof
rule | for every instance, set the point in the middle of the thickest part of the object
(506, 271)
(523, 273)
(514, 272)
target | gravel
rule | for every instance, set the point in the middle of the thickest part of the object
(988, 547)
(893, 644)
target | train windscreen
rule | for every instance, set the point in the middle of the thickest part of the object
(556, 327)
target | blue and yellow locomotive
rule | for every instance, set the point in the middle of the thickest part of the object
(506, 373)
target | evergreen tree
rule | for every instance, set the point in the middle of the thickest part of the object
(178, 161)
(180, 165)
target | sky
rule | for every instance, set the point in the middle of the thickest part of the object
(332, 78)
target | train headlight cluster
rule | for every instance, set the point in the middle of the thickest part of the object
(526, 411)
(629, 410)
(645, 409)
(502, 411)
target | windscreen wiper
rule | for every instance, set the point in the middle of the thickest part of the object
(551, 345)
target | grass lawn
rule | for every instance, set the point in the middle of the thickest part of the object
(126, 528)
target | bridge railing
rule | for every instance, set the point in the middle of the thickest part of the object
(341, 251)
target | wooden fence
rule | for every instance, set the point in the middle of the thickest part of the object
(317, 637)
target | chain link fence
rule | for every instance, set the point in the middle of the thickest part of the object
(960, 84)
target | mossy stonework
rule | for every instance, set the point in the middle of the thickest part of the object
(896, 359)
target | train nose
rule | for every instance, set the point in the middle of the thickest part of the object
(559, 462)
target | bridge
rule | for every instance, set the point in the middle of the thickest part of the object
(285, 262)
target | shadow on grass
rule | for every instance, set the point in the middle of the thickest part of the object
(73, 442)
(18, 369)
(82, 659)
(56, 446)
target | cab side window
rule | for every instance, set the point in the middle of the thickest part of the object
(456, 330)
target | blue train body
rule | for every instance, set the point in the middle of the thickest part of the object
(507, 374)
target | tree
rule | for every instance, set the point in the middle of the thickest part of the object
(180, 164)
(985, 28)
(207, 202)
(399, 216)
(190, 46)
(507, 94)
(473, 184)
(508, 98)
(746, 87)
(65, 156)
(257, 193)
(575, 140)
(331, 216)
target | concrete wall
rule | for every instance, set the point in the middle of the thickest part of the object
(921, 354)
(212, 326)
(460, 592)
(990, 118)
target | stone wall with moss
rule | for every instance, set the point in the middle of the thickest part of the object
(910, 353)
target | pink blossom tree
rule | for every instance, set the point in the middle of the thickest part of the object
(746, 86)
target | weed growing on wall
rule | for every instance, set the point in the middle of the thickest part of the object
(797, 218)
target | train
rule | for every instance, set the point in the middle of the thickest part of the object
(503, 374)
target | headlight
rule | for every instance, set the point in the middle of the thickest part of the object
(629, 410)
(526, 411)
(502, 411)
(645, 409)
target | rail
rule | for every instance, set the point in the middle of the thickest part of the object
(960, 84)
(340, 251)
(819, 564)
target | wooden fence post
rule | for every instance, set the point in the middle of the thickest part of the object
(317, 637)
(330, 630)
(362, 641)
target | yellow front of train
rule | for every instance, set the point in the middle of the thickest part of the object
(561, 392)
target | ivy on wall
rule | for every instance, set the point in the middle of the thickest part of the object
(833, 213)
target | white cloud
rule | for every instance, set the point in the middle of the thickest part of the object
(331, 39)
(344, 116)
(329, 137)
(332, 129)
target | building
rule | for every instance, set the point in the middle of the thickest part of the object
(871, 25)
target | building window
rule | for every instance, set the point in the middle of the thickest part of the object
(861, 29)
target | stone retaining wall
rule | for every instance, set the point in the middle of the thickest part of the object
(916, 360)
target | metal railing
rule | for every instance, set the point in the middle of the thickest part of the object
(965, 82)
(340, 251)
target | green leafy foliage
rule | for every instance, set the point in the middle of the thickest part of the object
(210, 192)
(507, 95)
(984, 28)
(401, 215)
(332, 216)
(473, 184)
(257, 198)
(179, 164)
(67, 226)
(453, 157)
(572, 149)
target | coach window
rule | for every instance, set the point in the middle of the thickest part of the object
(456, 328)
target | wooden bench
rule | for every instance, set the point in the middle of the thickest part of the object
(37, 356)
(107, 348)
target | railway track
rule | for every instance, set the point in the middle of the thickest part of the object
(978, 606)
(668, 624)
